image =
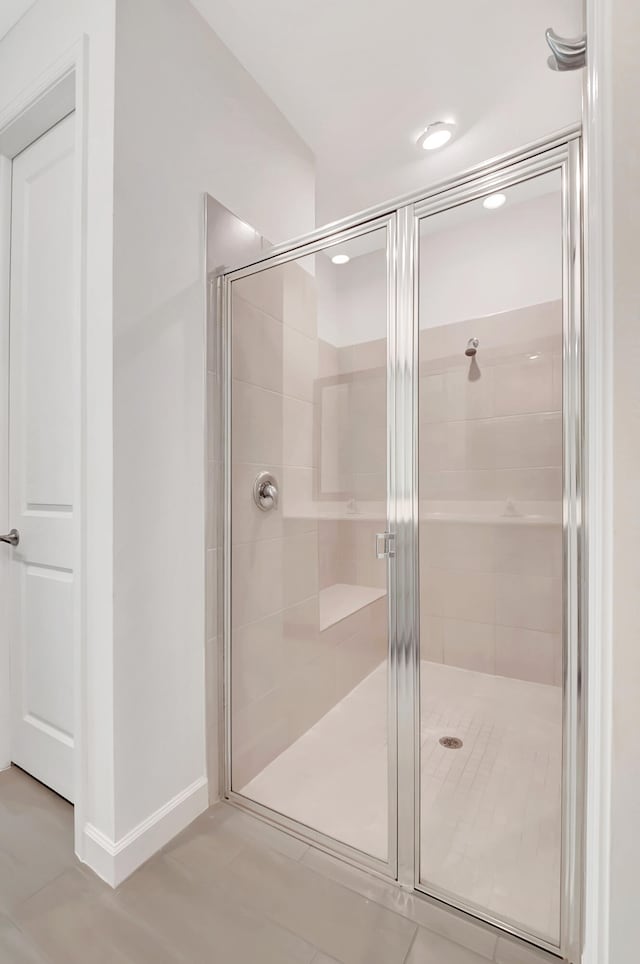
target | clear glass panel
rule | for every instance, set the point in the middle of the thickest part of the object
(309, 643)
(491, 576)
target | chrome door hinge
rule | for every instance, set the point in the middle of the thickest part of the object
(385, 545)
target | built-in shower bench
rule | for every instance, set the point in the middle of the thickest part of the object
(341, 600)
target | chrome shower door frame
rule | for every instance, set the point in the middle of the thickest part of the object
(561, 152)
(292, 252)
(565, 158)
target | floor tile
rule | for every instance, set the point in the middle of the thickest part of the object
(334, 919)
(36, 837)
(509, 951)
(72, 920)
(246, 827)
(418, 909)
(16, 947)
(201, 922)
(430, 948)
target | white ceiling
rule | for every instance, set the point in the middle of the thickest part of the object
(10, 13)
(359, 80)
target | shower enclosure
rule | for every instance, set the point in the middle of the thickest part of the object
(402, 551)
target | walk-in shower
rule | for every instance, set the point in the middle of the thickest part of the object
(401, 557)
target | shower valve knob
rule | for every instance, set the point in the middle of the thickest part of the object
(265, 491)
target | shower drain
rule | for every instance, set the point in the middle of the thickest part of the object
(450, 742)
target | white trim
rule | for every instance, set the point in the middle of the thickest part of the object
(114, 861)
(5, 259)
(57, 90)
(599, 509)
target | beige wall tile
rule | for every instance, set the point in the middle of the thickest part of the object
(256, 580)
(302, 641)
(257, 425)
(465, 546)
(531, 484)
(523, 385)
(527, 549)
(366, 356)
(300, 364)
(526, 654)
(297, 419)
(469, 645)
(431, 638)
(529, 602)
(257, 659)
(263, 289)
(468, 597)
(310, 694)
(355, 658)
(259, 732)
(528, 441)
(300, 297)
(327, 359)
(469, 392)
(297, 505)
(257, 345)
(300, 568)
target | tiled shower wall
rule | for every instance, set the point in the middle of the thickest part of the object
(491, 491)
(276, 677)
(286, 672)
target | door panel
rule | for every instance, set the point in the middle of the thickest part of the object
(491, 554)
(42, 463)
(309, 640)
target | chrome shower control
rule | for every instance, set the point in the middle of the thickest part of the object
(265, 491)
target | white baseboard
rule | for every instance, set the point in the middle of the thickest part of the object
(114, 861)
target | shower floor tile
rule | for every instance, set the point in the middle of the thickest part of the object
(490, 828)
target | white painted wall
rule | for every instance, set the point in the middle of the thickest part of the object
(189, 119)
(46, 33)
(493, 262)
(186, 119)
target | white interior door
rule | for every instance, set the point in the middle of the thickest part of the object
(41, 457)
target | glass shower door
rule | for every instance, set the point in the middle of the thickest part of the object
(491, 462)
(310, 719)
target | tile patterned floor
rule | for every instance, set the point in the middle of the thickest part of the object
(490, 811)
(229, 889)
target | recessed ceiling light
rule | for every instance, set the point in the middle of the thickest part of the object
(494, 201)
(436, 135)
(340, 258)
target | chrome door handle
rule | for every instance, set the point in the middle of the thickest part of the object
(385, 545)
(12, 537)
(265, 491)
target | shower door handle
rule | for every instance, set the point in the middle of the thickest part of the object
(385, 545)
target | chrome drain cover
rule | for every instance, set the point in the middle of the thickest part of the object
(450, 742)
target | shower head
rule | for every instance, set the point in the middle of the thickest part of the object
(472, 347)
